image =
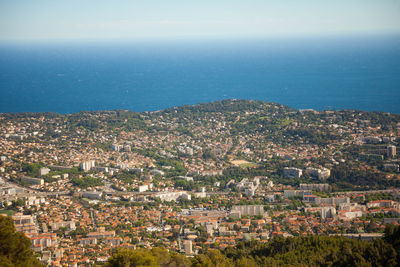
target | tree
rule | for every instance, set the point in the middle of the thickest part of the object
(131, 258)
(15, 247)
(147, 258)
(212, 258)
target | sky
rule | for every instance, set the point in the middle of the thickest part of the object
(133, 19)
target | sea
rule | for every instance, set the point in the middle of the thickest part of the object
(321, 73)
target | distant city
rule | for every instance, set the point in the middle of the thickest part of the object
(193, 179)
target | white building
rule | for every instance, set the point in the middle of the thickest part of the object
(43, 171)
(328, 212)
(70, 225)
(33, 200)
(188, 247)
(250, 210)
(87, 165)
(145, 187)
(248, 187)
(321, 174)
(173, 196)
(92, 195)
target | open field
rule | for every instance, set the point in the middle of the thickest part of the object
(243, 163)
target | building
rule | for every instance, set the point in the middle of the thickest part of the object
(33, 200)
(366, 157)
(321, 174)
(289, 172)
(372, 139)
(41, 241)
(92, 195)
(117, 147)
(315, 187)
(332, 200)
(43, 171)
(31, 180)
(143, 188)
(101, 169)
(70, 225)
(173, 196)
(296, 193)
(328, 212)
(188, 247)
(25, 223)
(201, 194)
(380, 204)
(121, 148)
(250, 210)
(113, 241)
(391, 151)
(101, 234)
(211, 173)
(87, 165)
(87, 241)
(248, 187)
(345, 214)
(310, 198)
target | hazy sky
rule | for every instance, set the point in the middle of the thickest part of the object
(132, 19)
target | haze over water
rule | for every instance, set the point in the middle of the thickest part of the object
(320, 73)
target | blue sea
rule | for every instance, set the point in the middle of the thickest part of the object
(352, 72)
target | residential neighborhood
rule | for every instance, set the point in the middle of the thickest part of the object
(195, 177)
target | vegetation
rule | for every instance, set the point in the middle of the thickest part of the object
(15, 247)
(148, 258)
(348, 177)
(292, 251)
(87, 181)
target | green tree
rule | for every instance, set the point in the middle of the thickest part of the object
(15, 247)
(212, 258)
(147, 258)
(131, 258)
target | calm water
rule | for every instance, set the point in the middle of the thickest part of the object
(331, 73)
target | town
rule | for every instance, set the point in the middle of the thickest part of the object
(190, 178)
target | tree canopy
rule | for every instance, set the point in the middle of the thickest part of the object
(279, 251)
(15, 247)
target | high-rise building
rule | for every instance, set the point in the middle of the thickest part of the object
(391, 151)
(87, 165)
(187, 245)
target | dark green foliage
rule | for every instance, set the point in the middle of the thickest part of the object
(212, 257)
(321, 251)
(87, 182)
(178, 169)
(349, 178)
(315, 136)
(15, 247)
(146, 258)
(186, 185)
(126, 177)
(279, 251)
(32, 169)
